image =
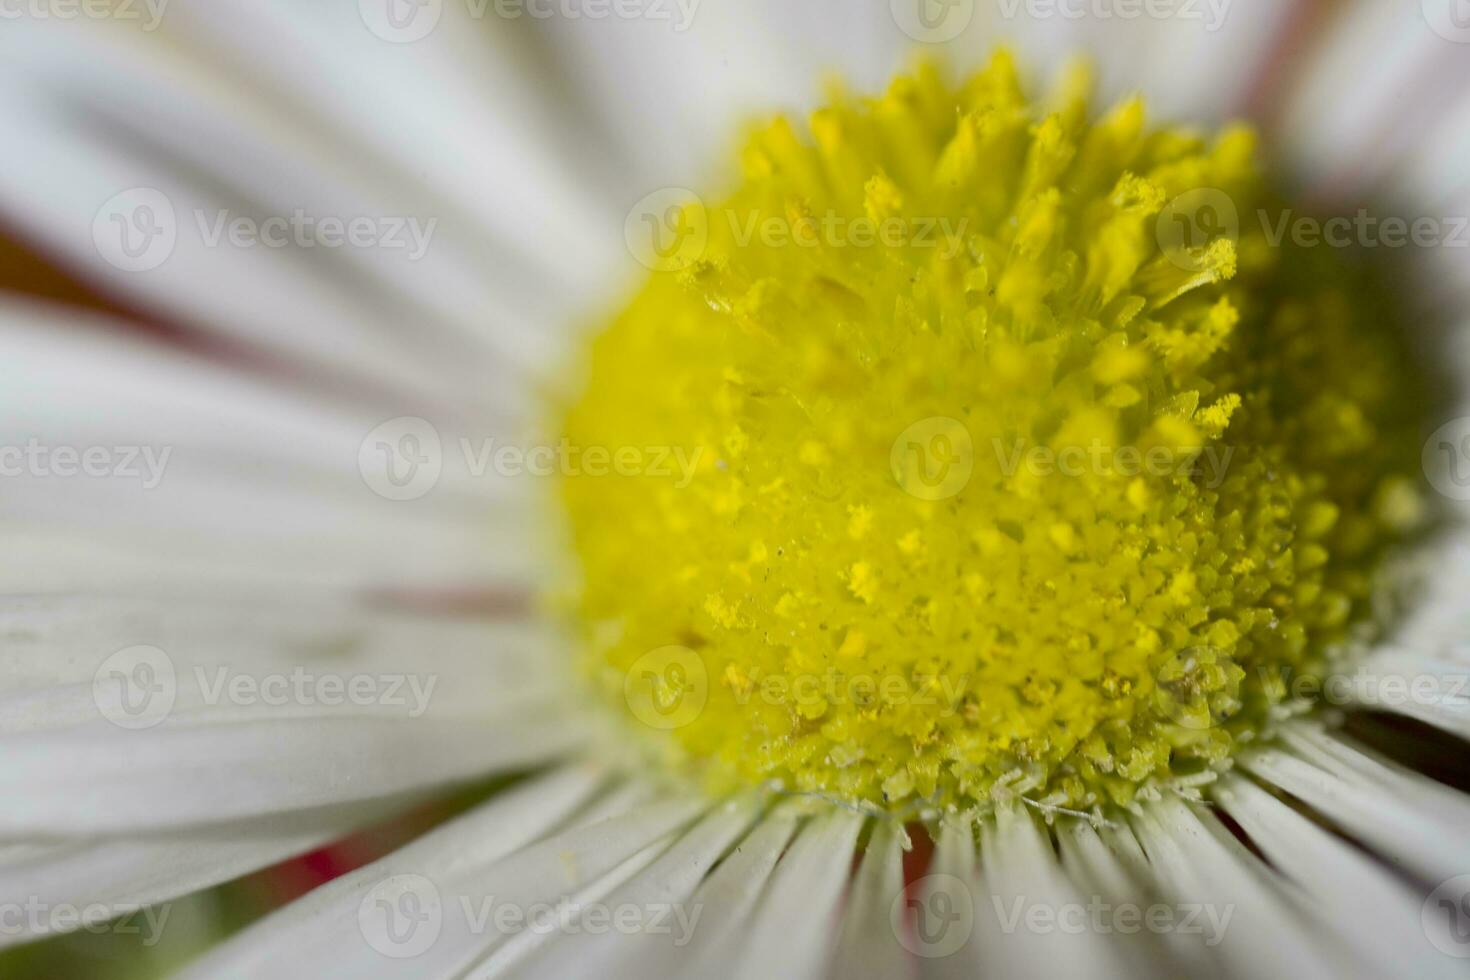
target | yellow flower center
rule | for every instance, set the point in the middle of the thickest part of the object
(976, 449)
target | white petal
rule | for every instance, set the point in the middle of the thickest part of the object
(1412, 684)
(515, 241)
(675, 93)
(1113, 867)
(541, 875)
(1408, 818)
(117, 875)
(1370, 909)
(1268, 932)
(794, 926)
(659, 894)
(325, 922)
(142, 714)
(199, 463)
(1019, 866)
(727, 899)
(673, 90)
(868, 944)
(1347, 128)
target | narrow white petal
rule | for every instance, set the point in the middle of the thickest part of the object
(1368, 908)
(673, 89)
(326, 920)
(1347, 127)
(497, 234)
(728, 900)
(868, 945)
(1412, 684)
(658, 899)
(1408, 818)
(1268, 932)
(117, 875)
(134, 714)
(1118, 874)
(1018, 865)
(109, 439)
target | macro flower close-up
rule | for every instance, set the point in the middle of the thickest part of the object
(661, 488)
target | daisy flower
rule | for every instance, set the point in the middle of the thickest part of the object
(885, 489)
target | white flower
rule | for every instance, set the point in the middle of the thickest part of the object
(262, 588)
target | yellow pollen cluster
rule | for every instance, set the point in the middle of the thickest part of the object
(1020, 462)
